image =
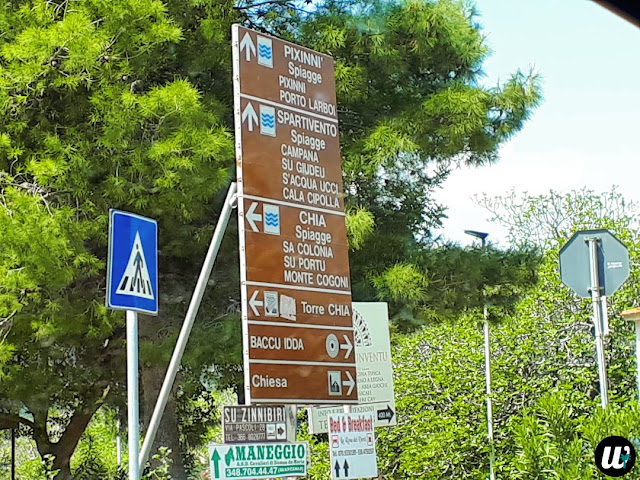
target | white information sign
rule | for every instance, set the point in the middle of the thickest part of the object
(374, 369)
(319, 417)
(352, 446)
(256, 460)
(373, 352)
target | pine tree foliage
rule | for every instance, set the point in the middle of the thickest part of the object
(91, 121)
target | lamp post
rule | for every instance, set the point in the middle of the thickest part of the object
(487, 367)
(633, 314)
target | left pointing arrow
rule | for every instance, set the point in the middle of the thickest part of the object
(253, 217)
(254, 303)
(247, 45)
(250, 115)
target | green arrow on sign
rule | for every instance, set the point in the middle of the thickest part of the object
(216, 458)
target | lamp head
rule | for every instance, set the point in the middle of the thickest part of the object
(480, 235)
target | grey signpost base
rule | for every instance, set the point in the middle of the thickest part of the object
(190, 317)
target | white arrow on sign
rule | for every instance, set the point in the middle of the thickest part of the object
(247, 44)
(349, 383)
(253, 217)
(250, 113)
(346, 346)
(253, 303)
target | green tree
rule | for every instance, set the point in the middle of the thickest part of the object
(91, 121)
(544, 345)
(128, 104)
(399, 144)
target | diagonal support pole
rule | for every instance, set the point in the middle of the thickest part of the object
(194, 305)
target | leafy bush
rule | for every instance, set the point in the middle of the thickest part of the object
(553, 441)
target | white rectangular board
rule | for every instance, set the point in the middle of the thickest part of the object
(373, 353)
(374, 369)
(352, 446)
(255, 423)
(319, 417)
(258, 460)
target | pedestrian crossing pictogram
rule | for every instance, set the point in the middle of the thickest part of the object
(132, 269)
(136, 280)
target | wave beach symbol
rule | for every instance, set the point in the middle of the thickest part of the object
(264, 51)
(268, 120)
(271, 219)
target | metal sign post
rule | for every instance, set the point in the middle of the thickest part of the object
(133, 407)
(598, 319)
(594, 263)
(132, 285)
(190, 317)
(13, 454)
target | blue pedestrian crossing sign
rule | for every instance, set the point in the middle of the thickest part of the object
(132, 268)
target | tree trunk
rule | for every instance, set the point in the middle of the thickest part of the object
(63, 449)
(168, 433)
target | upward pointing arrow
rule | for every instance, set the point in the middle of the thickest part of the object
(250, 114)
(247, 45)
(216, 460)
(346, 468)
(337, 468)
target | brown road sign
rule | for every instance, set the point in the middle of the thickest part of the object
(296, 164)
(295, 246)
(293, 343)
(303, 384)
(286, 73)
(298, 307)
(295, 282)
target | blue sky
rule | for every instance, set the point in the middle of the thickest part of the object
(586, 133)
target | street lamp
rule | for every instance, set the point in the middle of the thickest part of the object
(487, 367)
(633, 314)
